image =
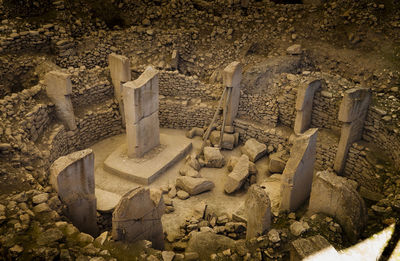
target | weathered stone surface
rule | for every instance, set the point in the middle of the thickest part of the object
(298, 174)
(232, 76)
(232, 163)
(141, 113)
(207, 243)
(238, 175)
(59, 89)
(304, 247)
(195, 132)
(352, 112)
(304, 104)
(258, 208)
(294, 49)
(228, 142)
(72, 176)
(194, 186)
(138, 217)
(337, 197)
(213, 157)
(276, 162)
(187, 170)
(120, 72)
(254, 149)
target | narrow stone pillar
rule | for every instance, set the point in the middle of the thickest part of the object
(232, 76)
(138, 217)
(352, 112)
(59, 89)
(258, 209)
(120, 73)
(72, 176)
(141, 113)
(299, 170)
(304, 104)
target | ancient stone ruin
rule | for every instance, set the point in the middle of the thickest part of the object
(199, 130)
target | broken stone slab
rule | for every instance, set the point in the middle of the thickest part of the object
(277, 162)
(238, 175)
(194, 186)
(272, 186)
(305, 247)
(232, 163)
(299, 227)
(59, 90)
(254, 149)
(188, 171)
(207, 243)
(195, 132)
(213, 157)
(72, 176)
(138, 217)
(258, 208)
(193, 162)
(337, 197)
(299, 171)
(232, 76)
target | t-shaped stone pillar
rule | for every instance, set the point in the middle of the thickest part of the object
(59, 89)
(141, 113)
(232, 76)
(120, 73)
(352, 112)
(304, 104)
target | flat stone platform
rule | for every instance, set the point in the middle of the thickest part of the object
(146, 169)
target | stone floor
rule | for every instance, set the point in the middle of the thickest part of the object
(109, 187)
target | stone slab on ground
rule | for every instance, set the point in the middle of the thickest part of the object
(146, 169)
(304, 247)
(194, 186)
(254, 149)
(106, 200)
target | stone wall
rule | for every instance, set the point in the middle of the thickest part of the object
(38, 120)
(38, 40)
(326, 110)
(376, 131)
(174, 84)
(286, 105)
(327, 144)
(358, 168)
(258, 108)
(92, 127)
(180, 114)
(265, 134)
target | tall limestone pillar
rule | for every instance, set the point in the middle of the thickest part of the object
(141, 113)
(232, 76)
(120, 73)
(352, 112)
(59, 89)
(304, 104)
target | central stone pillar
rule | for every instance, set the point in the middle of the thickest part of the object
(140, 98)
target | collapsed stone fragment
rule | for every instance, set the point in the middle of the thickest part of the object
(337, 197)
(138, 217)
(254, 149)
(238, 175)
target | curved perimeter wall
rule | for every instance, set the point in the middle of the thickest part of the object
(184, 105)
